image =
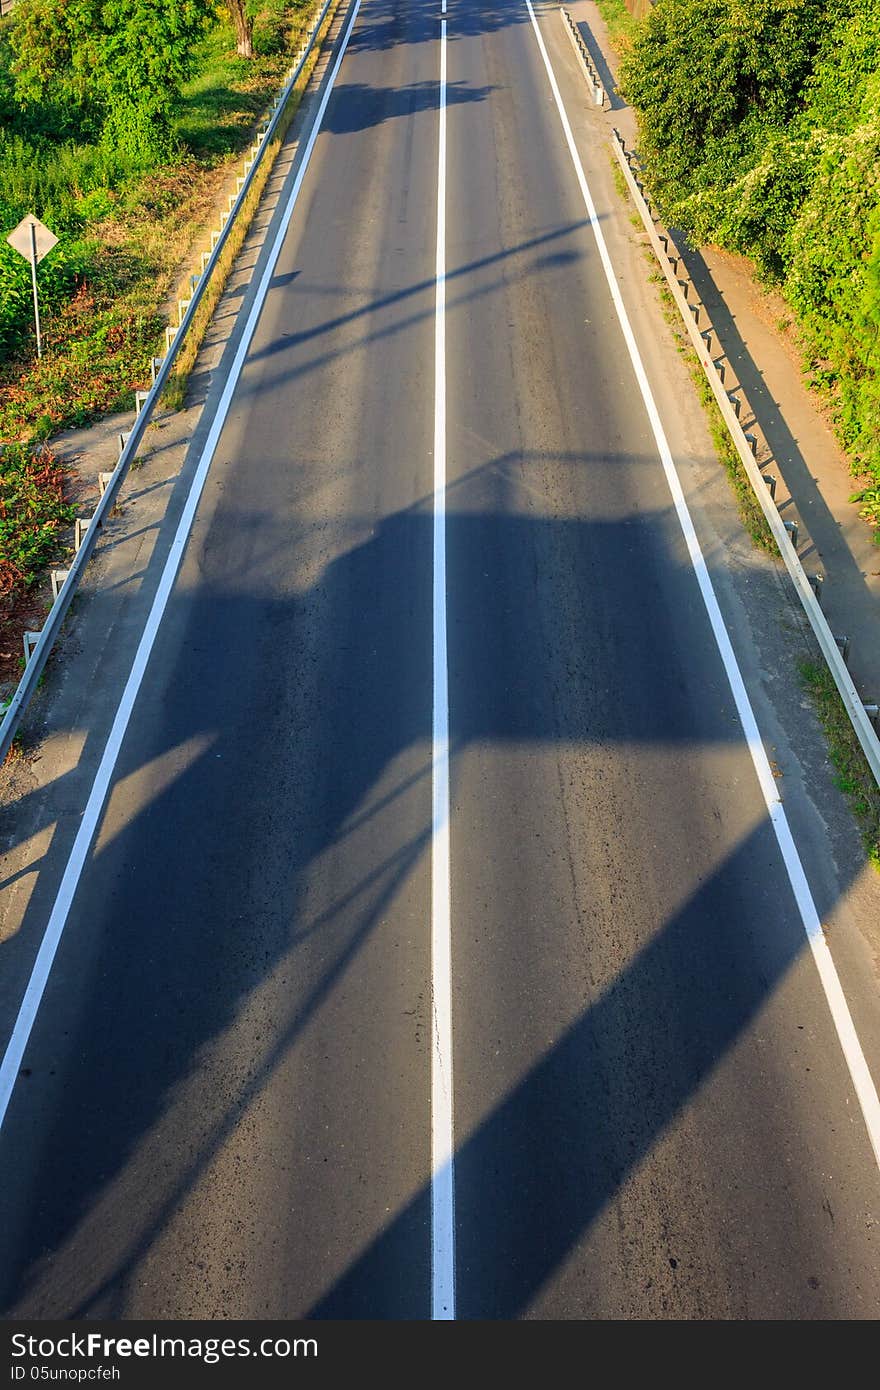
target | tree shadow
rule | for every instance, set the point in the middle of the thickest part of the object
(189, 925)
(847, 595)
(547, 1161)
(388, 25)
(609, 81)
(362, 105)
(301, 725)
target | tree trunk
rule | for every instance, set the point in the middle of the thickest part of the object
(244, 28)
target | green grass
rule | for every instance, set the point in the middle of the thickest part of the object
(221, 104)
(126, 239)
(617, 175)
(750, 510)
(621, 24)
(852, 773)
(751, 514)
(125, 235)
(869, 508)
(32, 512)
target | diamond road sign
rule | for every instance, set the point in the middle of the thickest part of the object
(22, 241)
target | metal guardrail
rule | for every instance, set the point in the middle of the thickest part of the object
(785, 533)
(584, 57)
(37, 646)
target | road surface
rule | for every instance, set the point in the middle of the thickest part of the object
(267, 1022)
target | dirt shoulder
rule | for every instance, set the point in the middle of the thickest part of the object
(815, 481)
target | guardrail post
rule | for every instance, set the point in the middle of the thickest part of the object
(84, 533)
(57, 578)
(835, 650)
(816, 583)
(103, 482)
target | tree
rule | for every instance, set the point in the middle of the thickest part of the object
(125, 61)
(243, 24)
(759, 130)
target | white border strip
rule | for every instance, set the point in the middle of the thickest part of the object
(852, 1048)
(12, 1058)
(442, 1153)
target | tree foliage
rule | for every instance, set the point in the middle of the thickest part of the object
(120, 63)
(760, 131)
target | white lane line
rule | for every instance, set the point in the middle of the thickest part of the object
(442, 1157)
(30, 1004)
(849, 1041)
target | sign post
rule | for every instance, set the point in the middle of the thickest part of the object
(36, 296)
(33, 240)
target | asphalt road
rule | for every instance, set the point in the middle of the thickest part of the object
(226, 1108)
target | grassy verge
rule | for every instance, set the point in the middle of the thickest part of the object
(620, 23)
(107, 288)
(751, 514)
(869, 510)
(750, 510)
(33, 514)
(186, 359)
(853, 775)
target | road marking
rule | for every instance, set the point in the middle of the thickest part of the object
(442, 1156)
(12, 1058)
(849, 1041)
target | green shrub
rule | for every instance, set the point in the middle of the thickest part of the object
(32, 513)
(760, 131)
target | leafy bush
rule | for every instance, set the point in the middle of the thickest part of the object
(57, 275)
(119, 63)
(32, 513)
(760, 131)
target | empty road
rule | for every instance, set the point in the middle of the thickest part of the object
(437, 951)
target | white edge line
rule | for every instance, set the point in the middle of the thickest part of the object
(862, 1081)
(442, 1154)
(15, 1049)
